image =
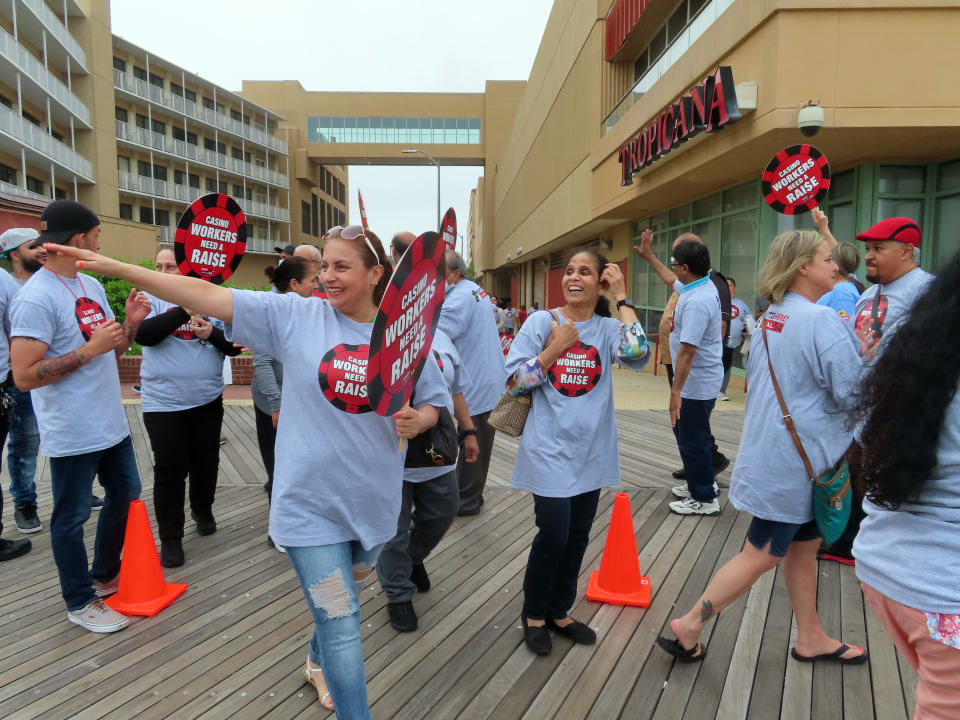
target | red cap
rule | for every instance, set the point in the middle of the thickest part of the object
(898, 229)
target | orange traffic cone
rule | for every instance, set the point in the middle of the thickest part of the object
(619, 581)
(143, 591)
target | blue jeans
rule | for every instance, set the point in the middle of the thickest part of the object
(695, 443)
(22, 449)
(72, 481)
(326, 576)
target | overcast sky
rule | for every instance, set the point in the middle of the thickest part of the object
(353, 45)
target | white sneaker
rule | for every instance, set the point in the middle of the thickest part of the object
(106, 588)
(682, 491)
(722, 397)
(98, 617)
(689, 506)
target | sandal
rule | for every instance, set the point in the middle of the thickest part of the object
(694, 654)
(325, 700)
(836, 655)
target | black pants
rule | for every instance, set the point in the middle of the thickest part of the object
(472, 477)
(4, 427)
(184, 442)
(266, 439)
(550, 583)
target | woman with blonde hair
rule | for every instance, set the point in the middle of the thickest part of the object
(817, 366)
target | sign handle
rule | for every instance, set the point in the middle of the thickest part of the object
(402, 445)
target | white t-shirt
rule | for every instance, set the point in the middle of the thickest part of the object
(697, 321)
(818, 367)
(896, 299)
(179, 372)
(339, 472)
(740, 315)
(81, 413)
(467, 319)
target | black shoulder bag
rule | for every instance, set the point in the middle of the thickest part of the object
(436, 446)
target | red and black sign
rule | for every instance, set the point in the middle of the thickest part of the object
(211, 238)
(710, 106)
(796, 180)
(448, 228)
(506, 341)
(405, 324)
(89, 315)
(342, 374)
(363, 212)
(184, 332)
(577, 371)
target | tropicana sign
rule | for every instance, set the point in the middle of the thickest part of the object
(710, 106)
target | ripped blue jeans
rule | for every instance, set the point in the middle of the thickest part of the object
(330, 576)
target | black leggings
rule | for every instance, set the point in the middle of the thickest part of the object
(266, 439)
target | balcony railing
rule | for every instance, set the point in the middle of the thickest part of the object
(182, 149)
(58, 30)
(674, 51)
(6, 187)
(28, 65)
(261, 245)
(28, 134)
(176, 103)
(185, 195)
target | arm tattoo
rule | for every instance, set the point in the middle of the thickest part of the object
(63, 365)
(706, 611)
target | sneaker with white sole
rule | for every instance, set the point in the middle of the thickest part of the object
(689, 506)
(98, 617)
(722, 397)
(682, 491)
(107, 587)
(26, 519)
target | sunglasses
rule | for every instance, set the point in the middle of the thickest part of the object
(351, 232)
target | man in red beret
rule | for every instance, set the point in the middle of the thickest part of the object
(893, 263)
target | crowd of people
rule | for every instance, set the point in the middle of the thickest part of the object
(868, 375)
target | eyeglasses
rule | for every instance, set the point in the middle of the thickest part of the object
(351, 232)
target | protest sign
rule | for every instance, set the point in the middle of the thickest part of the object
(211, 238)
(363, 212)
(796, 180)
(448, 228)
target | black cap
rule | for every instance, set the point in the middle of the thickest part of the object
(288, 249)
(63, 219)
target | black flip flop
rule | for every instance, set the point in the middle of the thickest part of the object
(835, 656)
(679, 652)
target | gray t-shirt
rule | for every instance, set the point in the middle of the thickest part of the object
(896, 299)
(81, 413)
(455, 376)
(696, 321)
(817, 364)
(569, 444)
(180, 372)
(467, 319)
(338, 472)
(740, 317)
(8, 289)
(912, 554)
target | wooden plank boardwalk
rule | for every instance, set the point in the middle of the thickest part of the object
(233, 645)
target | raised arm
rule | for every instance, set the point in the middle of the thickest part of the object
(822, 223)
(200, 295)
(645, 252)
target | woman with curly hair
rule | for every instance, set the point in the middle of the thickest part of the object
(908, 548)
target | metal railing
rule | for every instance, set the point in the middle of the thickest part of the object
(167, 233)
(57, 29)
(182, 149)
(6, 187)
(674, 51)
(27, 64)
(176, 103)
(185, 195)
(259, 244)
(28, 134)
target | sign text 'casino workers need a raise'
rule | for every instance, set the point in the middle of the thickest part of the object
(211, 238)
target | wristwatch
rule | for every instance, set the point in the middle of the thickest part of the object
(626, 302)
(464, 433)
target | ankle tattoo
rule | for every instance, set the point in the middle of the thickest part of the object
(706, 611)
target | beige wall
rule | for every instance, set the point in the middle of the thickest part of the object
(128, 241)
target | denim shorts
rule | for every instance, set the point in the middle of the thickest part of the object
(780, 534)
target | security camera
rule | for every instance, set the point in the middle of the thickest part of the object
(810, 119)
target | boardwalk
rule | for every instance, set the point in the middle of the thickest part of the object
(233, 645)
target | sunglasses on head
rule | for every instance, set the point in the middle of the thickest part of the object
(351, 232)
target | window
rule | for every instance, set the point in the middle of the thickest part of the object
(304, 217)
(8, 174)
(236, 115)
(190, 95)
(143, 168)
(146, 214)
(194, 180)
(323, 179)
(123, 163)
(29, 118)
(212, 186)
(178, 134)
(176, 89)
(4, 100)
(156, 80)
(330, 222)
(119, 64)
(179, 176)
(159, 127)
(139, 73)
(314, 223)
(120, 114)
(238, 191)
(323, 217)
(56, 136)
(59, 193)
(343, 192)
(162, 218)
(143, 121)
(208, 103)
(126, 211)
(211, 144)
(160, 172)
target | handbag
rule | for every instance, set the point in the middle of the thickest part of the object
(831, 491)
(434, 447)
(509, 415)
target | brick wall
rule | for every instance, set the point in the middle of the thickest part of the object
(129, 367)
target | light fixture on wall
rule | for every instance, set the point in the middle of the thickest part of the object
(519, 251)
(606, 243)
(508, 256)
(545, 261)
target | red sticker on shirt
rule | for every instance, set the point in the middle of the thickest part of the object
(776, 322)
(89, 315)
(184, 332)
(577, 371)
(865, 317)
(342, 374)
(734, 312)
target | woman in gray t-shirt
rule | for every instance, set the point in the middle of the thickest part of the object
(817, 366)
